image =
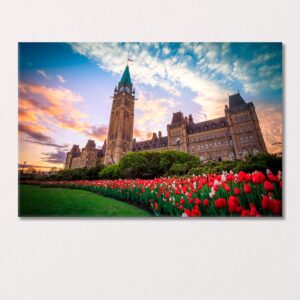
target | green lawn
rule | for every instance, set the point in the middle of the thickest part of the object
(55, 202)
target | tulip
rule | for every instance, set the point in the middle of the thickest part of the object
(269, 187)
(247, 188)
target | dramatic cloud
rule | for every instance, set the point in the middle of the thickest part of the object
(151, 113)
(43, 73)
(57, 157)
(54, 106)
(170, 74)
(35, 132)
(141, 135)
(98, 132)
(60, 79)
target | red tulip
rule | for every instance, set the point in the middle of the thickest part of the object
(269, 187)
(205, 202)
(247, 188)
(237, 191)
(220, 203)
(197, 201)
(258, 177)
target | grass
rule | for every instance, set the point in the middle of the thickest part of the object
(35, 201)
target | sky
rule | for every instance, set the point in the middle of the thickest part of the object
(65, 90)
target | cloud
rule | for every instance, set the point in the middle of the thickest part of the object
(55, 106)
(37, 135)
(148, 67)
(153, 112)
(57, 157)
(60, 78)
(43, 73)
(98, 132)
(49, 144)
(141, 135)
(35, 132)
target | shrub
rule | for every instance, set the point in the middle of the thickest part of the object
(78, 174)
(147, 165)
(251, 163)
(168, 158)
(110, 172)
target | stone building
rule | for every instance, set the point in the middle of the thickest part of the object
(88, 157)
(120, 131)
(232, 136)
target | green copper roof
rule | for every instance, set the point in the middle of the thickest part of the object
(126, 80)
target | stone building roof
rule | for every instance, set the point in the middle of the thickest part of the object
(207, 125)
(126, 80)
(154, 143)
(90, 144)
(235, 100)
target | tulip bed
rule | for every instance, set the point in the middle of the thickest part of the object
(226, 194)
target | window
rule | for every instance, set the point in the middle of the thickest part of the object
(206, 146)
(199, 147)
(255, 151)
(244, 152)
(230, 142)
(242, 140)
(231, 156)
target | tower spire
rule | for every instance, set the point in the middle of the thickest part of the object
(126, 80)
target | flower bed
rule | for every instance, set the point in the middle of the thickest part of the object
(227, 194)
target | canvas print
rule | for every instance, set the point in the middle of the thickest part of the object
(150, 129)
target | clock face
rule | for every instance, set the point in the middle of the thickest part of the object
(127, 90)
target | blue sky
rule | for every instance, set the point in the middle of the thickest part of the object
(65, 89)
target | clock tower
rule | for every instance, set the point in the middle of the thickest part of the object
(120, 132)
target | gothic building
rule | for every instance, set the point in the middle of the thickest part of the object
(120, 131)
(233, 136)
(88, 157)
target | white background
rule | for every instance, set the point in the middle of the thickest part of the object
(148, 259)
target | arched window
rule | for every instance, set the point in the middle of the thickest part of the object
(255, 151)
(231, 156)
(244, 152)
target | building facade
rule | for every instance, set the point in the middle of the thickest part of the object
(120, 131)
(232, 136)
(87, 157)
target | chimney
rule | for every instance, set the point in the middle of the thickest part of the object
(159, 134)
(191, 119)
